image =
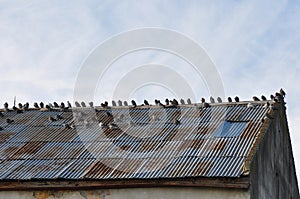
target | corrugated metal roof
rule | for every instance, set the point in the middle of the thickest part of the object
(145, 142)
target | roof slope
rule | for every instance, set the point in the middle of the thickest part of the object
(144, 142)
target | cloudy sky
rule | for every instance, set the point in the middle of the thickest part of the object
(255, 46)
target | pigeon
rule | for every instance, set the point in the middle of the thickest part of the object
(177, 122)
(6, 106)
(91, 104)
(9, 121)
(62, 106)
(55, 105)
(146, 102)
(48, 107)
(182, 101)
(106, 103)
(212, 100)
(77, 104)
(219, 100)
(267, 105)
(15, 108)
(26, 106)
(69, 104)
(229, 99)
(51, 119)
(20, 106)
(167, 101)
(282, 92)
(113, 102)
(119, 103)
(202, 100)
(263, 98)
(36, 105)
(125, 103)
(59, 117)
(206, 105)
(189, 101)
(237, 99)
(42, 105)
(272, 97)
(175, 102)
(250, 105)
(133, 103)
(255, 98)
(83, 104)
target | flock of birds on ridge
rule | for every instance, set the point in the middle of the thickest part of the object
(170, 103)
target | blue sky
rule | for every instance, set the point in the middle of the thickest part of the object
(255, 45)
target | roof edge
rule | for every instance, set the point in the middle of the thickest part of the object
(234, 183)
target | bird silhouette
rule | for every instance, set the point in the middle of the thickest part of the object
(125, 103)
(282, 92)
(83, 104)
(106, 103)
(272, 97)
(41, 104)
(62, 106)
(77, 104)
(263, 98)
(175, 102)
(202, 100)
(133, 103)
(189, 101)
(219, 99)
(48, 107)
(26, 106)
(146, 102)
(9, 121)
(255, 98)
(237, 99)
(212, 100)
(69, 104)
(119, 103)
(266, 105)
(55, 105)
(206, 105)
(182, 101)
(51, 119)
(20, 106)
(59, 117)
(250, 105)
(113, 102)
(229, 99)
(91, 104)
(6, 106)
(167, 101)
(36, 105)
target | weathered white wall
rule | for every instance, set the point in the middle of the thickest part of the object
(131, 193)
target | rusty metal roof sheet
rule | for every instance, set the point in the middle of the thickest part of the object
(146, 142)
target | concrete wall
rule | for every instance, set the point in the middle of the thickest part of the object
(131, 193)
(272, 170)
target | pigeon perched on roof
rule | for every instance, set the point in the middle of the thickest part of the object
(125, 103)
(263, 98)
(119, 103)
(182, 101)
(229, 99)
(146, 102)
(20, 106)
(167, 101)
(202, 100)
(255, 98)
(133, 103)
(91, 104)
(35, 104)
(212, 100)
(113, 102)
(237, 99)
(55, 105)
(282, 92)
(219, 99)
(189, 101)
(83, 104)
(69, 104)
(77, 104)
(272, 97)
